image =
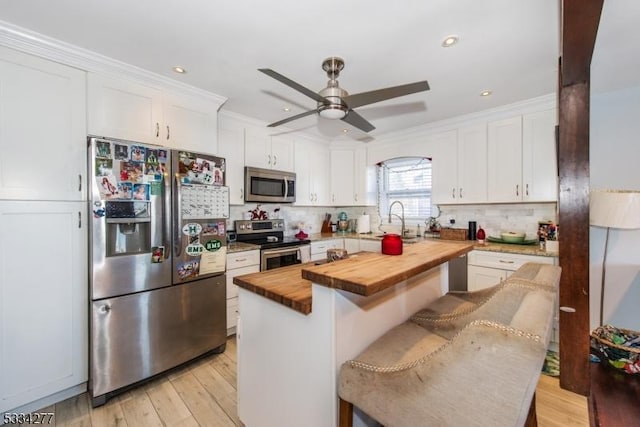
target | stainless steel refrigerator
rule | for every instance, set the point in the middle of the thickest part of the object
(157, 261)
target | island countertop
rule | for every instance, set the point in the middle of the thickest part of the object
(364, 273)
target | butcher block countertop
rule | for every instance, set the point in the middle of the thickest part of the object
(364, 273)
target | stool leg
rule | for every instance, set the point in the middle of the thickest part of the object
(346, 414)
(532, 419)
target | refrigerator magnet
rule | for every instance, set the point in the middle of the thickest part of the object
(126, 190)
(138, 153)
(192, 229)
(103, 149)
(157, 254)
(210, 229)
(213, 245)
(141, 191)
(108, 187)
(188, 269)
(104, 167)
(194, 249)
(162, 156)
(152, 156)
(121, 152)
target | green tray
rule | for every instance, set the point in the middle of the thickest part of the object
(524, 242)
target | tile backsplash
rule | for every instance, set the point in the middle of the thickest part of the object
(493, 218)
(496, 218)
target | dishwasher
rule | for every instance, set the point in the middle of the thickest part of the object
(458, 273)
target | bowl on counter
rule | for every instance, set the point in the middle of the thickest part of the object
(512, 236)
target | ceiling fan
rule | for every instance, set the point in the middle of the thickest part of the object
(336, 103)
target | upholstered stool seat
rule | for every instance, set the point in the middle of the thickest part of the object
(467, 359)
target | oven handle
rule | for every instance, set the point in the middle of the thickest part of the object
(280, 251)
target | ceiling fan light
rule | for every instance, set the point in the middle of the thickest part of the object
(333, 112)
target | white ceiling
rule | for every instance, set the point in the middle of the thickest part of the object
(510, 47)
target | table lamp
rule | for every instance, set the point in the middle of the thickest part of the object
(613, 209)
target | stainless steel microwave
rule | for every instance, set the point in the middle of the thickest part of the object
(269, 186)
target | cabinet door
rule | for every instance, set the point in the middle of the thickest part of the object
(43, 134)
(319, 178)
(539, 161)
(232, 289)
(505, 160)
(445, 168)
(483, 277)
(43, 300)
(304, 160)
(282, 153)
(352, 245)
(190, 123)
(472, 164)
(342, 182)
(370, 245)
(257, 148)
(231, 147)
(123, 109)
(364, 180)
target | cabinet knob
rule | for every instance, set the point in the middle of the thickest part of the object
(269, 159)
(275, 159)
(517, 189)
(168, 133)
(460, 193)
(453, 193)
(527, 190)
(157, 129)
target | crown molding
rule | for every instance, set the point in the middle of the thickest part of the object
(37, 44)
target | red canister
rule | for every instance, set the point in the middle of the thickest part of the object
(392, 244)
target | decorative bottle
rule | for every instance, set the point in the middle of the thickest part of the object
(480, 235)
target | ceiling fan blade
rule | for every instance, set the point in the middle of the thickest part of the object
(365, 98)
(355, 119)
(292, 118)
(311, 94)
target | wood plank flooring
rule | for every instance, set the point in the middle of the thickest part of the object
(203, 393)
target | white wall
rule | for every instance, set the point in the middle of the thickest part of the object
(615, 164)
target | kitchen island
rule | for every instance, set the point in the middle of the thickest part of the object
(299, 324)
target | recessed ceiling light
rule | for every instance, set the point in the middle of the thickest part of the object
(179, 70)
(345, 130)
(286, 109)
(485, 93)
(450, 41)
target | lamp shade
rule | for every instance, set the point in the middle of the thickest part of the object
(615, 209)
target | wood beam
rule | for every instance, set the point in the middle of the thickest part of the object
(580, 19)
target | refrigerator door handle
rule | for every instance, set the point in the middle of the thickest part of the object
(166, 233)
(177, 214)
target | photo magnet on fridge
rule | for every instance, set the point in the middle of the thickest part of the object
(157, 254)
(121, 152)
(103, 150)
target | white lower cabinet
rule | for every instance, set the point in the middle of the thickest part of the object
(352, 245)
(238, 263)
(370, 245)
(319, 248)
(43, 302)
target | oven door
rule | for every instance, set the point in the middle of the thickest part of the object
(282, 257)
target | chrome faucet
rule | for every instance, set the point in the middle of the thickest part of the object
(402, 231)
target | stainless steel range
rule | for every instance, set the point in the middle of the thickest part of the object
(276, 250)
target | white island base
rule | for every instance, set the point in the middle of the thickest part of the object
(288, 362)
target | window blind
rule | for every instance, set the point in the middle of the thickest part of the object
(408, 180)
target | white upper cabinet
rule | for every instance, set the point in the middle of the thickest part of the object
(505, 160)
(190, 123)
(539, 156)
(269, 152)
(460, 166)
(231, 147)
(312, 179)
(342, 177)
(522, 159)
(352, 181)
(43, 134)
(123, 109)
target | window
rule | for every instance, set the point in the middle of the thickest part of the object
(408, 180)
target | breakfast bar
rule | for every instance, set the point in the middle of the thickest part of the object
(298, 324)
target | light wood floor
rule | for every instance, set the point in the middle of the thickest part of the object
(203, 393)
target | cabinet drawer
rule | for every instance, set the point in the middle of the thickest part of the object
(243, 259)
(232, 313)
(232, 290)
(320, 248)
(505, 261)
